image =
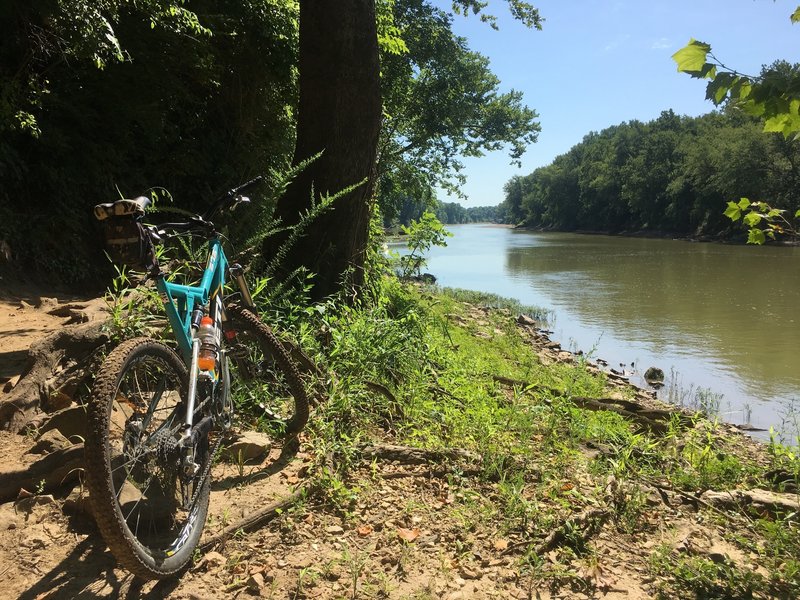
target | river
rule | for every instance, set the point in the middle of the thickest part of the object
(722, 321)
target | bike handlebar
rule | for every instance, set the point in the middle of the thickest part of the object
(229, 196)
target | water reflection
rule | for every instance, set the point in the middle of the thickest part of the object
(724, 317)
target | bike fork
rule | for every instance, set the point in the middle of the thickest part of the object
(237, 274)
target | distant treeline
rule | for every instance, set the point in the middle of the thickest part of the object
(673, 174)
(452, 213)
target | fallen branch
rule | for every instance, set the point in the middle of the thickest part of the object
(412, 456)
(254, 520)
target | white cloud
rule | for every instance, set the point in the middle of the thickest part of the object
(661, 44)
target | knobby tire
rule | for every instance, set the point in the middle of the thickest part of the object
(114, 398)
(248, 323)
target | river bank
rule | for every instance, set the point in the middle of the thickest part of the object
(718, 319)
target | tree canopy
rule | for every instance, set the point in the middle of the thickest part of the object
(673, 174)
(441, 102)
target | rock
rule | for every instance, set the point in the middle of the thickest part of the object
(27, 504)
(526, 320)
(49, 441)
(334, 529)
(248, 446)
(255, 582)
(77, 503)
(129, 495)
(71, 422)
(211, 560)
(654, 376)
(470, 573)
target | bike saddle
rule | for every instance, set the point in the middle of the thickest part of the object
(121, 208)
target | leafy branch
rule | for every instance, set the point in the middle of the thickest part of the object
(762, 220)
(773, 96)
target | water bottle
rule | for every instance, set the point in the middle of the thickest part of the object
(207, 334)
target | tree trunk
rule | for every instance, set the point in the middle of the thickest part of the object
(339, 115)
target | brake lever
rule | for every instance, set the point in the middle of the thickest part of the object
(239, 199)
(155, 233)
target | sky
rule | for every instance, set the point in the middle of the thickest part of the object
(597, 63)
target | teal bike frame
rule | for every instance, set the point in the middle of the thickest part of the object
(180, 301)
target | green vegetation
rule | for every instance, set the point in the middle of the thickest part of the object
(420, 236)
(773, 95)
(673, 174)
(440, 370)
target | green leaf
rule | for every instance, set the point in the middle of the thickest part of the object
(743, 203)
(733, 212)
(795, 15)
(756, 236)
(692, 57)
(752, 219)
(719, 86)
(797, 215)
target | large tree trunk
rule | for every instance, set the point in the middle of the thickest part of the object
(339, 115)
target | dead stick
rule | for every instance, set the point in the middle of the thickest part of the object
(591, 518)
(254, 520)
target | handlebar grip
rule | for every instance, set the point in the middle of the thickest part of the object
(246, 185)
(229, 196)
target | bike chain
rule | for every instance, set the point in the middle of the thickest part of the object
(206, 472)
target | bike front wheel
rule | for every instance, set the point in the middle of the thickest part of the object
(151, 513)
(264, 380)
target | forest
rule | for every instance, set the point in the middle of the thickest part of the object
(183, 100)
(671, 175)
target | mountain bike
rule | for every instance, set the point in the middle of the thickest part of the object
(157, 416)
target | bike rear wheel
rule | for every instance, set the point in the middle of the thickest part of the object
(150, 515)
(264, 380)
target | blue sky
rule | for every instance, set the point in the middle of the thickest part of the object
(597, 63)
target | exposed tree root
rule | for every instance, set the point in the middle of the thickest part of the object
(44, 475)
(655, 419)
(33, 389)
(584, 525)
(755, 500)
(381, 389)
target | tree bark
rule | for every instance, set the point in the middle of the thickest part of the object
(339, 115)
